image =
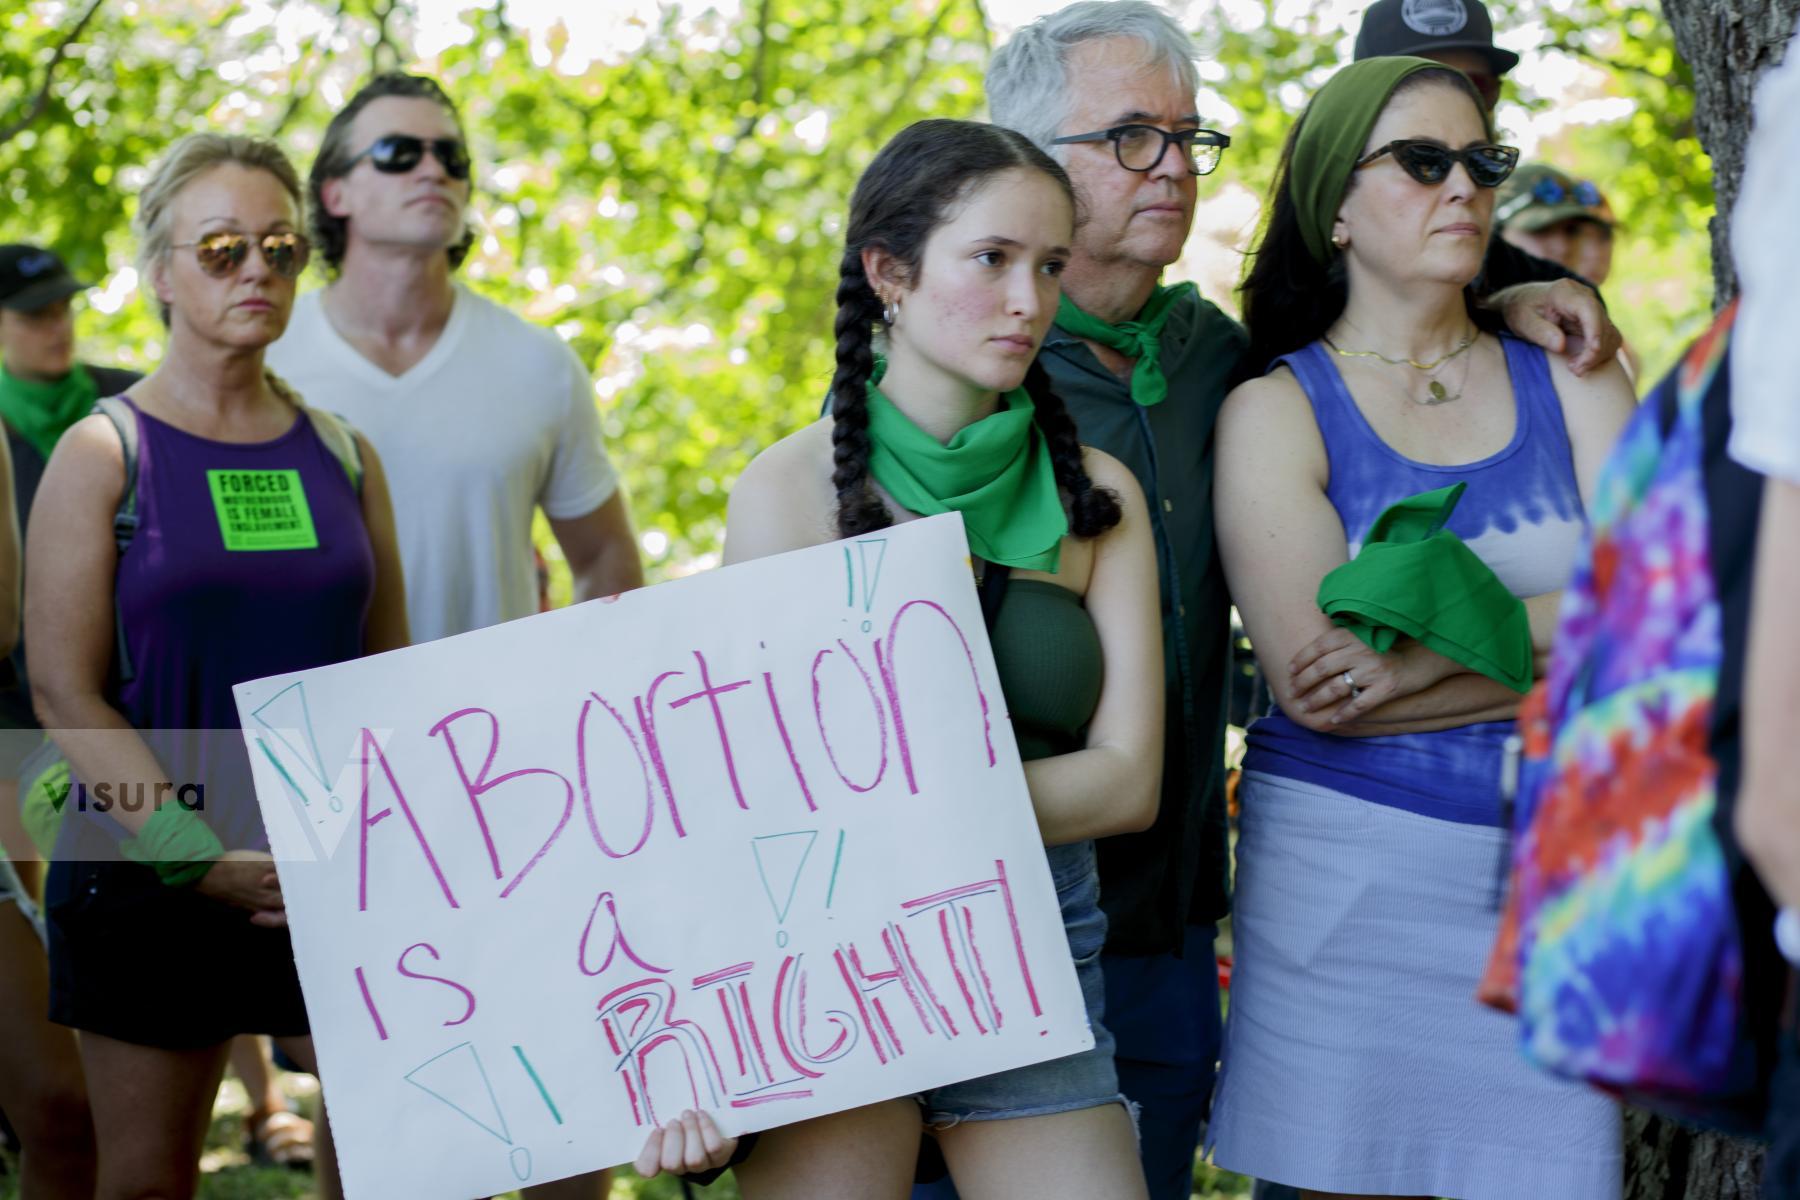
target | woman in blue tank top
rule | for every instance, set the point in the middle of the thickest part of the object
(259, 548)
(1356, 1058)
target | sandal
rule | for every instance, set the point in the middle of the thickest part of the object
(280, 1139)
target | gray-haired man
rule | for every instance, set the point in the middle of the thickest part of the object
(1108, 86)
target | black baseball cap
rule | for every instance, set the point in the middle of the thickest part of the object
(31, 277)
(1423, 26)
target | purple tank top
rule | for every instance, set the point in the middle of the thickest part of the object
(1522, 515)
(199, 617)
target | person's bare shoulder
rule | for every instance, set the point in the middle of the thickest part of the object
(1269, 422)
(784, 499)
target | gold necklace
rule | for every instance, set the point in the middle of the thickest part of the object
(1415, 364)
(1437, 394)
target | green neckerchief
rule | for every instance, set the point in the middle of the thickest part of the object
(1415, 578)
(1334, 132)
(42, 411)
(996, 473)
(1139, 338)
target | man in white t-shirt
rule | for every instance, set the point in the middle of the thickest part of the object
(1765, 405)
(479, 417)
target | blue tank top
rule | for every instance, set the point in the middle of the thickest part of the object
(1522, 515)
(201, 614)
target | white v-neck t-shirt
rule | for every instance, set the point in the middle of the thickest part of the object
(496, 420)
(1765, 241)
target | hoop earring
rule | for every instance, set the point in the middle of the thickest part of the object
(890, 309)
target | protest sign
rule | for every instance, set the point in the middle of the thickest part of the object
(755, 841)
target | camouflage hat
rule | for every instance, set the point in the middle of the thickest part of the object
(1539, 195)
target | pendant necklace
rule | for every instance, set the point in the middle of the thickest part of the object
(1438, 393)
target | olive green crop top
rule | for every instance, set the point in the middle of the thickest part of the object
(1047, 653)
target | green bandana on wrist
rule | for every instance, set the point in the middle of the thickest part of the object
(176, 844)
(41, 412)
(1334, 131)
(997, 473)
(1139, 338)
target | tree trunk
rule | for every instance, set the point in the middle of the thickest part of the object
(1729, 44)
(1666, 1161)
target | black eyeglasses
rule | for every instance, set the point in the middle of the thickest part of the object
(1430, 162)
(1141, 147)
(398, 153)
(221, 254)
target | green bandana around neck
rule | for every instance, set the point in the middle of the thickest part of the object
(1334, 131)
(42, 411)
(1139, 338)
(996, 473)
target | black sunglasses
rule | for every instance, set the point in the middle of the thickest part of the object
(1430, 162)
(221, 254)
(1141, 147)
(398, 153)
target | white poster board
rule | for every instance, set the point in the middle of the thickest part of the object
(755, 841)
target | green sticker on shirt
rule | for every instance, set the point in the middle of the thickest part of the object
(262, 510)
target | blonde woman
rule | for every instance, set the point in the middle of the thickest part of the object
(166, 928)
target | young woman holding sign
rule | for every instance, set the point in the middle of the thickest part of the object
(165, 919)
(957, 234)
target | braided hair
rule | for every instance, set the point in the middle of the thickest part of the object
(906, 192)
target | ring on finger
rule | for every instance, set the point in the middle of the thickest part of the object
(1351, 684)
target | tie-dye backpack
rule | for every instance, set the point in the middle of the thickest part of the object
(1620, 947)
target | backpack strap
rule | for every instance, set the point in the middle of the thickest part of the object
(337, 434)
(125, 518)
(340, 439)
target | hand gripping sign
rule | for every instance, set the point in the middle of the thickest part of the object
(755, 841)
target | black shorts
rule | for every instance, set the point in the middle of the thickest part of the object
(138, 961)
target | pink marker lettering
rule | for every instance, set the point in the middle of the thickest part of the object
(615, 945)
(371, 755)
(887, 664)
(481, 785)
(646, 716)
(880, 718)
(468, 996)
(582, 774)
(710, 692)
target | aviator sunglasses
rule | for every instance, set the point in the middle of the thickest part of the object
(1549, 191)
(1430, 162)
(398, 153)
(221, 254)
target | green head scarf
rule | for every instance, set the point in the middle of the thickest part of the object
(1333, 132)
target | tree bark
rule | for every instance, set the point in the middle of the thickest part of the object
(1728, 44)
(1666, 1161)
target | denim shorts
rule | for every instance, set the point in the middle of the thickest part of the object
(11, 892)
(1083, 1080)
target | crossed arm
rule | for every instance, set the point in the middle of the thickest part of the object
(1279, 535)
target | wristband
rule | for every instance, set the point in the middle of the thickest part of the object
(176, 844)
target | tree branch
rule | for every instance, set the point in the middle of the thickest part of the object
(1600, 60)
(297, 94)
(746, 127)
(898, 108)
(42, 100)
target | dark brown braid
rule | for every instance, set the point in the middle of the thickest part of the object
(1092, 510)
(859, 509)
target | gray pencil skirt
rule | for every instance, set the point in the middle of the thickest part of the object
(1356, 1058)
